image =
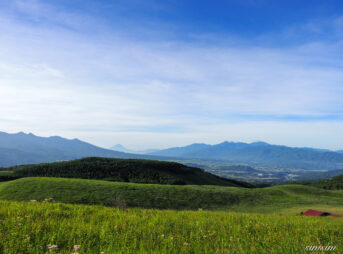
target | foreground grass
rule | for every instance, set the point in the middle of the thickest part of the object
(29, 227)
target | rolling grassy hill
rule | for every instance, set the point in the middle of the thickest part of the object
(270, 200)
(125, 170)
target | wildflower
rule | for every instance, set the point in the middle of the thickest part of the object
(52, 247)
(213, 233)
(102, 252)
(185, 244)
(48, 200)
(162, 235)
(33, 200)
(77, 248)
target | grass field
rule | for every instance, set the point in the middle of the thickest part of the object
(28, 227)
(287, 199)
(268, 220)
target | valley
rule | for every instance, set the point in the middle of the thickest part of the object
(111, 203)
(92, 204)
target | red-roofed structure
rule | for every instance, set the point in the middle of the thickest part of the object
(311, 212)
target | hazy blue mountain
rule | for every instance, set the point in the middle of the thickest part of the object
(21, 148)
(259, 153)
(121, 148)
(181, 151)
(318, 149)
(148, 151)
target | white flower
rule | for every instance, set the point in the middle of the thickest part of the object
(77, 247)
(52, 247)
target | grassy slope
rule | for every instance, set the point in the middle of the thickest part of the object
(125, 170)
(30, 227)
(268, 200)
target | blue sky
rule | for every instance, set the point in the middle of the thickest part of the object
(168, 73)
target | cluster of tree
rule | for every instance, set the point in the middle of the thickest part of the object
(5, 178)
(335, 183)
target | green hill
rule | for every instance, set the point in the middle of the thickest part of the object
(125, 170)
(271, 199)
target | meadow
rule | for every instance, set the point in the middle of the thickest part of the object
(29, 227)
(52, 215)
(192, 197)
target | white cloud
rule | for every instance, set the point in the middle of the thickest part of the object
(113, 89)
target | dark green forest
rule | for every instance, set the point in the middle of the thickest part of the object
(123, 170)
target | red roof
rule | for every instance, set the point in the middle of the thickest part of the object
(311, 212)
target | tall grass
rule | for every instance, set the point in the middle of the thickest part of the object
(28, 227)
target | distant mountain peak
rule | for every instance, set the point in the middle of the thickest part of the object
(118, 146)
(121, 148)
(26, 148)
(260, 143)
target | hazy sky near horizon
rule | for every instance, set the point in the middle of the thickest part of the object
(155, 74)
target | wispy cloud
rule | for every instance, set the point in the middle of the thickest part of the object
(56, 77)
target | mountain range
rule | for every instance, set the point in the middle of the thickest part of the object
(21, 148)
(259, 153)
